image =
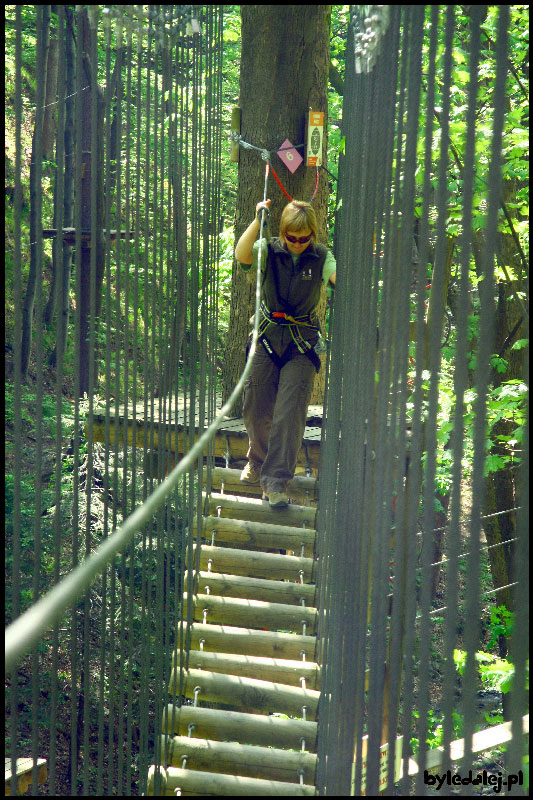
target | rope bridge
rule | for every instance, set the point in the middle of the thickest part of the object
(169, 632)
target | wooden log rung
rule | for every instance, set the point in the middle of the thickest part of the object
(256, 564)
(206, 783)
(259, 534)
(235, 726)
(270, 763)
(301, 489)
(248, 641)
(252, 694)
(253, 613)
(259, 511)
(227, 585)
(280, 670)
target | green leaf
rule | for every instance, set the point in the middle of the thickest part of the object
(500, 364)
(494, 463)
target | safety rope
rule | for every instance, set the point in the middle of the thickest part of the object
(266, 155)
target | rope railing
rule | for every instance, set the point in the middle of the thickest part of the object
(132, 197)
(22, 634)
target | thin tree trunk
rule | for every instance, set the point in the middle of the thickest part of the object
(68, 196)
(284, 71)
(50, 106)
(180, 231)
(49, 140)
(35, 201)
(92, 171)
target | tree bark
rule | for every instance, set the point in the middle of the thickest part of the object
(92, 170)
(35, 200)
(50, 106)
(68, 188)
(284, 71)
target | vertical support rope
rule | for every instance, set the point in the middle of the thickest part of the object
(17, 388)
(161, 150)
(482, 378)
(58, 254)
(369, 461)
(460, 387)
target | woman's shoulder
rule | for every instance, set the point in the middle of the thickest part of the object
(277, 245)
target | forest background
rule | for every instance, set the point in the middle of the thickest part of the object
(509, 381)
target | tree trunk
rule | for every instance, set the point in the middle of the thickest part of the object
(436, 308)
(500, 494)
(284, 72)
(49, 140)
(500, 486)
(92, 170)
(179, 226)
(35, 198)
(50, 106)
(68, 191)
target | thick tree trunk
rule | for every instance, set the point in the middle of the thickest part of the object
(284, 72)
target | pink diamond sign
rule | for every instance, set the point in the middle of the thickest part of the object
(290, 157)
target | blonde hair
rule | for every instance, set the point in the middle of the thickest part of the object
(296, 216)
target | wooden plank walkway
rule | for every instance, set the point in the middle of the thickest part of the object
(253, 640)
(169, 428)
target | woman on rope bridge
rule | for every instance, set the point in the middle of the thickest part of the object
(278, 389)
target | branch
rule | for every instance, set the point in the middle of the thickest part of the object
(510, 337)
(466, 12)
(516, 295)
(335, 79)
(515, 237)
(502, 204)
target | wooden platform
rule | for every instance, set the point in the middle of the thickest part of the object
(170, 428)
(25, 769)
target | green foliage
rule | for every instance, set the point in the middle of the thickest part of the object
(496, 674)
(501, 624)
(33, 521)
(435, 724)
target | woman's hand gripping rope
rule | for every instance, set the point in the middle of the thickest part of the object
(263, 204)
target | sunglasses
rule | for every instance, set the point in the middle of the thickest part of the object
(298, 239)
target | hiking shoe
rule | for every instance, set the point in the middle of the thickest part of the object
(250, 473)
(278, 499)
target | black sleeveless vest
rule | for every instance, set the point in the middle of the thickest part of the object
(292, 289)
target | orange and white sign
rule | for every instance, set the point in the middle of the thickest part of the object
(315, 138)
(383, 765)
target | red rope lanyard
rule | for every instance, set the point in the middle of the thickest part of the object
(280, 183)
(285, 191)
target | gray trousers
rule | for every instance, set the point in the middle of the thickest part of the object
(275, 411)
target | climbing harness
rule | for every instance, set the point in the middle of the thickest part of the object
(259, 261)
(294, 323)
